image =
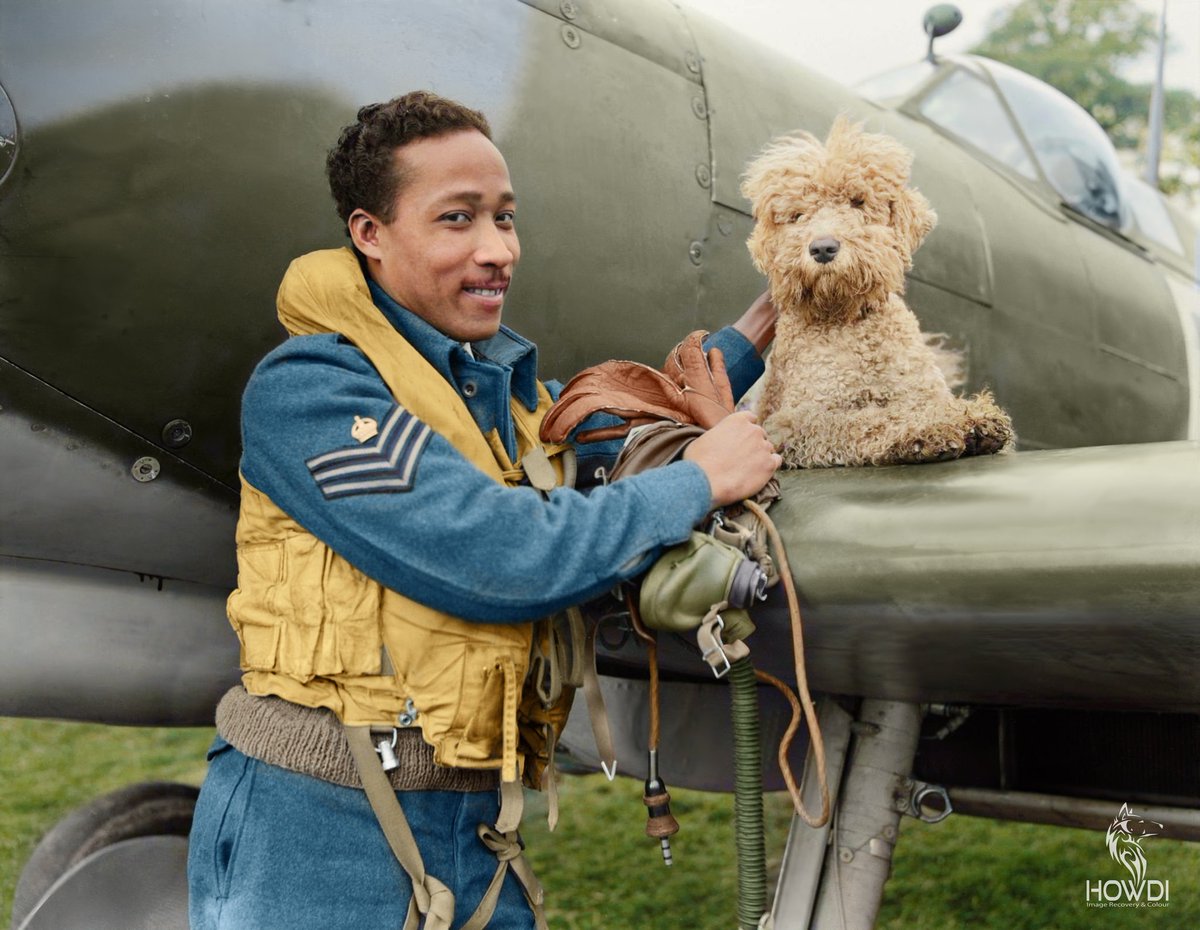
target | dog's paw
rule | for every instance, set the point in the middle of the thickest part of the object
(987, 437)
(920, 450)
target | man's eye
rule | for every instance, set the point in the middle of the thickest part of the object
(506, 217)
(458, 216)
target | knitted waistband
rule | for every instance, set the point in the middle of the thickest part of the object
(310, 740)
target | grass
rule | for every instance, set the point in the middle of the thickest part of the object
(986, 874)
(600, 871)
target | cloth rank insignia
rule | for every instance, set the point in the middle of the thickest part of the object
(387, 464)
(364, 428)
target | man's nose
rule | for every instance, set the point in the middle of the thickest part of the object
(495, 247)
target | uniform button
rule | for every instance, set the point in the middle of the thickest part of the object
(470, 389)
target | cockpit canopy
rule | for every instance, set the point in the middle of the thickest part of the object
(1018, 120)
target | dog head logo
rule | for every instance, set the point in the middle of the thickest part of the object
(1124, 840)
(836, 224)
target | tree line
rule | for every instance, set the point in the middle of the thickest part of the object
(1081, 47)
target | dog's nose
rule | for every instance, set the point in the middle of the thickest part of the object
(824, 250)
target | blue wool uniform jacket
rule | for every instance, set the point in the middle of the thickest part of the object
(435, 528)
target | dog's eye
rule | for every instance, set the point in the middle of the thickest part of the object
(796, 217)
(857, 202)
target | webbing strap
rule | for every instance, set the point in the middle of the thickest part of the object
(550, 778)
(513, 476)
(429, 896)
(537, 467)
(508, 724)
(512, 806)
(597, 712)
(558, 654)
(570, 466)
(571, 649)
(507, 847)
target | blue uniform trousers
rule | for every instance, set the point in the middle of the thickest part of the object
(272, 849)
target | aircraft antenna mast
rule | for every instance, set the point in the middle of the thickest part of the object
(1155, 129)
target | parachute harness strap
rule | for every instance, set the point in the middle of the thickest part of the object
(431, 898)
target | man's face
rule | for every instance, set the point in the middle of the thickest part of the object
(449, 252)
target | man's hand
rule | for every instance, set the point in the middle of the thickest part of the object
(737, 457)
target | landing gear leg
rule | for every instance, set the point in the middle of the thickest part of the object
(833, 878)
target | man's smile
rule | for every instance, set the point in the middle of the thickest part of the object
(495, 290)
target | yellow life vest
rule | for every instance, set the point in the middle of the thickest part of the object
(316, 631)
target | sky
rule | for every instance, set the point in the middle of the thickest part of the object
(822, 33)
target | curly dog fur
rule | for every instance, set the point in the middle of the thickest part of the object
(851, 379)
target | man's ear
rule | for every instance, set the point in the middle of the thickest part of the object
(364, 233)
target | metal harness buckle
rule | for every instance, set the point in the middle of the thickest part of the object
(708, 636)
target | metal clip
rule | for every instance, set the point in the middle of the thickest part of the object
(387, 752)
(708, 637)
(716, 652)
(409, 715)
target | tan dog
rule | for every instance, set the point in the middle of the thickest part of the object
(851, 379)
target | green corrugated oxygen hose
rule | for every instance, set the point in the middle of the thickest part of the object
(748, 798)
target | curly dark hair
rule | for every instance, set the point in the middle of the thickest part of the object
(362, 167)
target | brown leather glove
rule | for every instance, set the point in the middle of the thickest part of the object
(692, 388)
(707, 395)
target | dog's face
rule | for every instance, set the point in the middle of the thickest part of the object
(835, 224)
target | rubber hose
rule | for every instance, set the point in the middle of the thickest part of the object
(748, 796)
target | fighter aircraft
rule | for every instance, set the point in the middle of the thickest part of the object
(161, 165)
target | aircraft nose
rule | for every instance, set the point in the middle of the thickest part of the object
(824, 250)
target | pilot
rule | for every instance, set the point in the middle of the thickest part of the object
(402, 528)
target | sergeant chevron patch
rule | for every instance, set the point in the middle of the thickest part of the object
(387, 464)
